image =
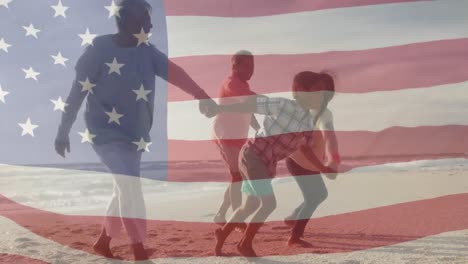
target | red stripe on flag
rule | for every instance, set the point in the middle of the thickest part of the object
(347, 232)
(384, 69)
(8, 258)
(357, 148)
(250, 8)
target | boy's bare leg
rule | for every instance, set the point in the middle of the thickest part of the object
(220, 217)
(235, 193)
(290, 220)
(232, 198)
(250, 206)
(268, 204)
(236, 198)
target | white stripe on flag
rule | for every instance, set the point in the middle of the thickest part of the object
(356, 28)
(434, 106)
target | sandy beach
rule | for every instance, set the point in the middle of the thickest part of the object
(450, 247)
(411, 213)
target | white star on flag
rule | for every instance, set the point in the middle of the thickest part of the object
(87, 38)
(114, 10)
(31, 30)
(31, 74)
(143, 37)
(3, 45)
(3, 94)
(28, 128)
(86, 136)
(59, 59)
(59, 104)
(114, 116)
(87, 86)
(142, 145)
(142, 93)
(5, 3)
(60, 9)
(114, 66)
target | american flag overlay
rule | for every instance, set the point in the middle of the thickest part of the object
(399, 118)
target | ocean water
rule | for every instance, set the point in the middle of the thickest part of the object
(78, 187)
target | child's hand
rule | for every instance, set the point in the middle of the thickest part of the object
(331, 171)
(332, 164)
(208, 107)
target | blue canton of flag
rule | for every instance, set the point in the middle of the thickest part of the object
(40, 44)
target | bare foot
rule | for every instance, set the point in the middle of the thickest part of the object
(139, 252)
(219, 219)
(297, 241)
(103, 249)
(220, 238)
(246, 250)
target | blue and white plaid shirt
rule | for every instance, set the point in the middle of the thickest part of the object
(286, 127)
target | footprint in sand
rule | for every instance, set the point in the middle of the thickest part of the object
(447, 259)
(28, 244)
(272, 240)
(33, 251)
(51, 233)
(58, 257)
(76, 231)
(79, 255)
(192, 251)
(79, 244)
(22, 239)
(323, 251)
(151, 251)
(280, 228)
(351, 262)
(173, 239)
(209, 237)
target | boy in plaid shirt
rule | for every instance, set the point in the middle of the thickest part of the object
(287, 127)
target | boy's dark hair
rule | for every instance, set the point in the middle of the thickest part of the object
(305, 82)
(125, 9)
(241, 55)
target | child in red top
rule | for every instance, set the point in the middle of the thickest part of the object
(230, 130)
